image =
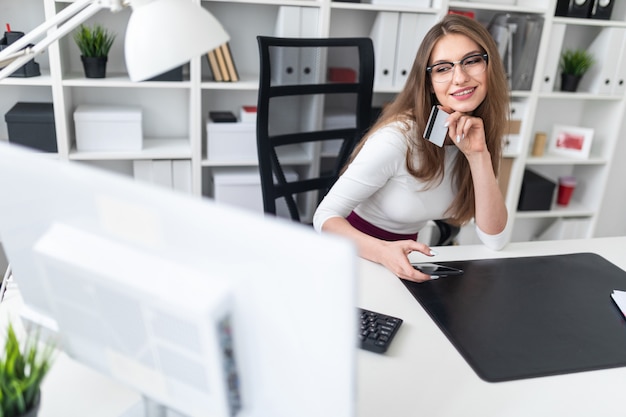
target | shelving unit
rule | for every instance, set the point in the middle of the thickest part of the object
(175, 113)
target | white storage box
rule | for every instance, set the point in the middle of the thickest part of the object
(108, 128)
(242, 187)
(231, 141)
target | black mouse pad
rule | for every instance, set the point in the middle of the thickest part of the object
(518, 318)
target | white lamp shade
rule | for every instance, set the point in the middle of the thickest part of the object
(164, 34)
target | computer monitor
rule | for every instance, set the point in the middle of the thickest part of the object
(207, 309)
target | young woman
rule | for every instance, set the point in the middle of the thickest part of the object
(396, 180)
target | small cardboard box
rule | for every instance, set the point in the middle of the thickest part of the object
(108, 128)
(231, 141)
(241, 186)
(32, 125)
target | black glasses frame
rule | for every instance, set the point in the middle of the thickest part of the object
(484, 56)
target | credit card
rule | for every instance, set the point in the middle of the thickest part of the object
(435, 131)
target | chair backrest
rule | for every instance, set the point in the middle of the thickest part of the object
(315, 95)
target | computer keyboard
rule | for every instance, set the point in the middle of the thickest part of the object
(376, 330)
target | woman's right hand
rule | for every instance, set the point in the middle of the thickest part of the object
(394, 256)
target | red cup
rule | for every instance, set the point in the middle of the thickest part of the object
(566, 189)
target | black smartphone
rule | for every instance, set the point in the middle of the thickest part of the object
(437, 269)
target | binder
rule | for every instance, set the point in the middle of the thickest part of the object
(619, 84)
(517, 36)
(215, 67)
(309, 65)
(551, 67)
(162, 172)
(142, 170)
(181, 175)
(230, 63)
(601, 76)
(411, 30)
(384, 35)
(285, 68)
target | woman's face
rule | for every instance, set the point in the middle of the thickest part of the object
(465, 89)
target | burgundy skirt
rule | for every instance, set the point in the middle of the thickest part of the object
(364, 226)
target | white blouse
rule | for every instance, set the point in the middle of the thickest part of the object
(378, 187)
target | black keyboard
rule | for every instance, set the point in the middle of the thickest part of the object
(376, 330)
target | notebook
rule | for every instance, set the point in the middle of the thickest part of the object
(518, 318)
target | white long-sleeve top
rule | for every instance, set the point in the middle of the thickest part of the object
(378, 187)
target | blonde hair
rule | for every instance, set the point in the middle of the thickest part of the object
(412, 107)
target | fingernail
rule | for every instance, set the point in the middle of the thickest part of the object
(434, 252)
(463, 137)
(458, 138)
(446, 124)
(434, 276)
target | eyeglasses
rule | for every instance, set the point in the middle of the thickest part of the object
(471, 65)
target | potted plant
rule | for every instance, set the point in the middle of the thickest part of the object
(574, 64)
(22, 370)
(94, 43)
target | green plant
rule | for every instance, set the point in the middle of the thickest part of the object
(22, 370)
(576, 62)
(94, 41)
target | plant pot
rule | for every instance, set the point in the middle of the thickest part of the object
(34, 410)
(95, 66)
(570, 82)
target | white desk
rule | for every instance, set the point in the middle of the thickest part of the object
(421, 374)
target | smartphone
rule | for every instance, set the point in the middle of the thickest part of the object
(435, 131)
(437, 269)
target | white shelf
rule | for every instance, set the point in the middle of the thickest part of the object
(118, 80)
(574, 209)
(43, 80)
(152, 149)
(178, 110)
(561, 160)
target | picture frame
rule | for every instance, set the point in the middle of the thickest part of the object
(571, 141)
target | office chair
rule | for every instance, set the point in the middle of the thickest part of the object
(302, 102)
(306, 105)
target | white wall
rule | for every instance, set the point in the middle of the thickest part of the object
(612, 219)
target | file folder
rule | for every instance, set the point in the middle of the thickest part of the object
(518, 318)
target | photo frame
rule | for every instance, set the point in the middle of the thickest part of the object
(572, 141)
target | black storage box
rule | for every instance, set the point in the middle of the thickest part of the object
(31, 68)
(537, 192)
(32, 125)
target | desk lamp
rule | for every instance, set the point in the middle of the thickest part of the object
(161, 34)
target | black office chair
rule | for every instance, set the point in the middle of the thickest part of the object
(314, 94)
(301, 97)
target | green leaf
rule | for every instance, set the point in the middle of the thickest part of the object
(22, 370)
(93, 41)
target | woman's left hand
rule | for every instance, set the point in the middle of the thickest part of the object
(466, 132)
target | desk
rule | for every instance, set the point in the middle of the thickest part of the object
(421, 374)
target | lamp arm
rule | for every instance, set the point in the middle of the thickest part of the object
(18, 53)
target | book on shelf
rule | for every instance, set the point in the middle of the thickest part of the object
(230, 62)
(215, 68)
(222, 64)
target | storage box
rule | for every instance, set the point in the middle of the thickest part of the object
(242, 187)
(32, 125)
(108, 128)
(537, 192)
(231, 141)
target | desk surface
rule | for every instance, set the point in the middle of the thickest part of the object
(421, 374)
